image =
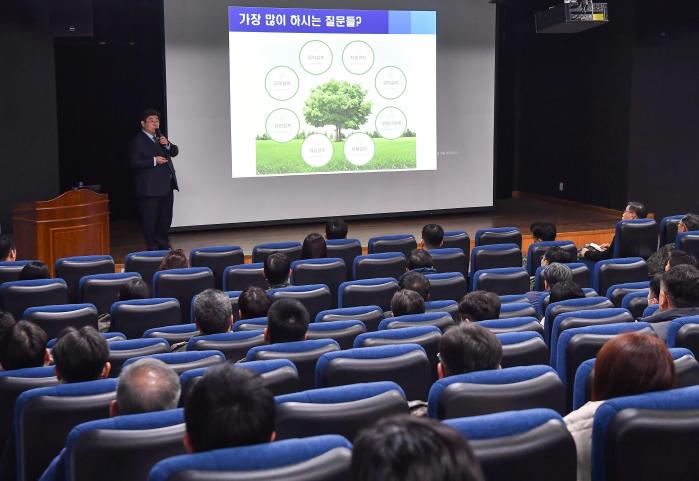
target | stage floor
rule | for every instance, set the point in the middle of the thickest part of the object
(578, 223)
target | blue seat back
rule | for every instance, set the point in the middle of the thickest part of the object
(17, 296)
(184, 361)
(636, 302)
(617, 292)
(525, 348)
(537, 250)
(102, 290)
(668, 229)
(448, 305)
(404, 243)
(494, 256)
(684, 332)
(53, 319)
(618, 271)
(635, 238)
(238, 277)
(513, 324)
(345, 249)
(385, 264)
(569, 305)
(135, 317)
(71, 269)
(517, 309)
(252, 324)
(344, 332)
(368, 292)
(122, 351)
(183, 285)
(501, 281)
(499, 235)
(292, 250)
(216, 258)
(442, 320)
(458, 239)
(10, 270)
(371, 316)
(173, 334)
(330, 271)
(233, 345)
(314, 297)
(145, 263)
(688, 242)
(447, 286)
(451, 259)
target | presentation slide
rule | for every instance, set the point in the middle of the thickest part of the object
(329, 91)
(325, 109)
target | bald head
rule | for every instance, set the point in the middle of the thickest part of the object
(147, 385)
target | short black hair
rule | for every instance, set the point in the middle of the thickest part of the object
(287, 321)
(546, 231)
(335, 229)
(418, 259)
(314, 247)
(6, 320)
(654, 286)
(468, 347)
(22, 345)
(7, 245)
(479, 306)
(135, 288)
(637, 208)
(34, 270)
(213, 311)
(229, 407)
(405, 448)
(679, 257)
(433, 235)
(277, 268)
(690, 221)
(80, 354)
(147, 113)
(557, 254)
(565, 290)
(406, 302)
(253, 302)
(415, 281)
(681, 285)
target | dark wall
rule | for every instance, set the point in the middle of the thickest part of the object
(28, 160)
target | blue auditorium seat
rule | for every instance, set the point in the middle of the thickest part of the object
(135, 317)
(385, 264)
(292, 250)
(635, 238)
(523, 349)
(537, 250)
(343, 410)
(102, 290)
(53, 319)
(330, 271)
(499, 235)
(216, 258)
(458, 239)
(345, 249)
(650, 310)
(617, 292)
(145, 263)
(108, 336)
(344, 332)
(442, 320)
(452, 259)
(510, 298)
(448, 305)
(314, 297)
(173, 334)
(581, 275)
(513, 324)
(494, 256)
(184, 361)
(121, 351)
(517, 309)
(447, 286)
(668, 229)
(688, 242)
(684, 332)
(618, 271)
(501, 281)
(636, 302)
(237, 278)
(569, 305)
(183, 285)
(252, 324)
(404, 243)
(10, 270)
(72, 269)
(371, 316)
(366, 292)
(234, 345)
(17, 296)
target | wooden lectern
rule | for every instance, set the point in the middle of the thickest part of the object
(75, 223)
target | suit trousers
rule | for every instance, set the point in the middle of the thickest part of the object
(156, 217)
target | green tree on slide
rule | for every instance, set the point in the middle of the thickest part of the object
(337, 103)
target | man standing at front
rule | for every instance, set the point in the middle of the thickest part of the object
(150, 155)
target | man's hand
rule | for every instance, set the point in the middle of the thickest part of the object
(604, 246)
(160, 160)
(163, 140)
(582, 252)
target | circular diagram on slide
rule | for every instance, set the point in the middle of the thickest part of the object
(317, 150)
(358, 57)
(281, 83)
(359, 148)
(390, 82)
(391, 122)
(315, 57)
(282, 125)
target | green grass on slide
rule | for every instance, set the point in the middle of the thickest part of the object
(285, 158)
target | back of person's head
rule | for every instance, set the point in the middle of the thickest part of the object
(135, 288)
(416, 281)
(314, 247)
(406, 448)
(406, 302)
(637, 208)
(564, 290)
(433, 236)
(287, 321)
(543, 231)
(34, 270)
(555, 254)
(213, 313)
(253, 302)
(632, 363)
(277, 267)
(690, 222)
(479, 306)
(228, 407)
(81, 355)
(23, 344)
(335, 229)
(6, 320)
(146, 385)
(468, 347)
(679, 287)
(555, 273)
(679, 257)
(174, 259)
(419, 259)
(8, 251)
(654, 289)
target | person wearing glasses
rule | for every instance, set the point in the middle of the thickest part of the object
(634, 210)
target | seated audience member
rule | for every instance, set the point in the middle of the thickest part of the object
(543, 231)
(23, 344)
(135, 288)
(228, 407)
(689, 222)
(654, 289)
(6, 320)
(406, 302)
(277, 270)
(213, 313)
(81, 355)
(287, 321)
(564, 290)
(634, 210)
(657, 263)
(314, 247)
(678, 257)
(629, 364)
(555, 254)
(555, 273)
(420, 261)
(335, 229)
(679, 297)
(417, 282)
(405, 448)
(432, 237)
(174, 259)
(479, 306)
(253, 302)
(8, 251)
(34, 270)
(468, 347)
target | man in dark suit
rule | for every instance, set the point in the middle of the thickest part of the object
(150, 156)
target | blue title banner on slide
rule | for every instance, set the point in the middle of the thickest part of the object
(304, 20)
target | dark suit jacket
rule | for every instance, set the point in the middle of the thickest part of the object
(150, 180)
(661, 319)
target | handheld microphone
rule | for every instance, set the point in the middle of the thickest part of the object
(158, 133)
